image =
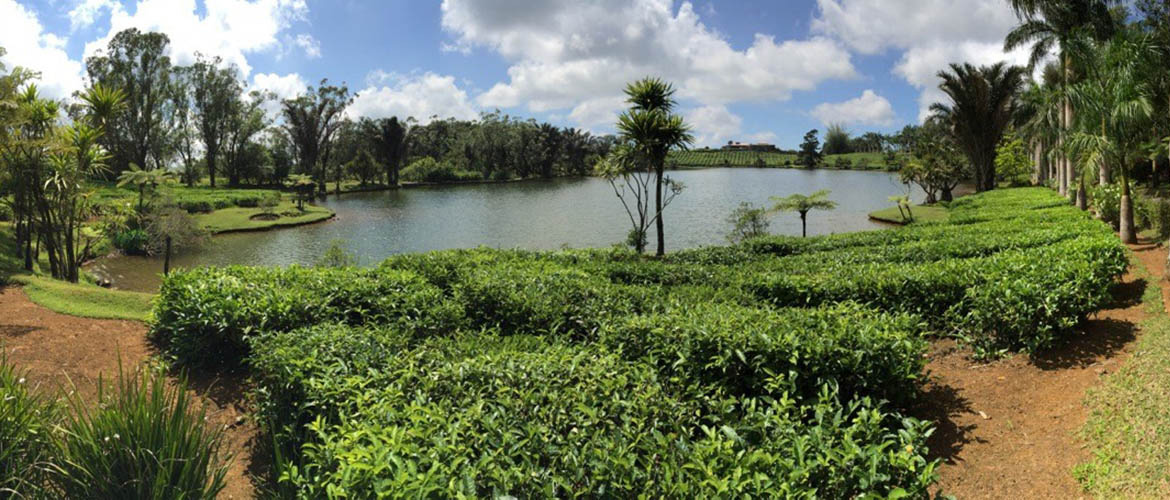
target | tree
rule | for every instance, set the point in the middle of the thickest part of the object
(137, 64)
(216, 93)
(1048, 24)
(170, 227)
(631, 180)
(1115, 112)
(1011, 160)
(145, 181)
(302, 187)
(652, 130)
(747, 221)
(836, 140)
(803, 204)
(933, 162)
(311, 120)
(904, 208)
(982, 106)
(810, 150)
(245, 121)
(388, 137)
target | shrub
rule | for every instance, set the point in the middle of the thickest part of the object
(25, 422)
(132, 241)
(426, 169)
(146, 441)
(206, 315)
(533, 419)
(740, 349)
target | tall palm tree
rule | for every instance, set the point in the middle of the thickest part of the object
(1039, 121)
(1116, 104)
(654, 130)
(982, 106)
(1050, 25)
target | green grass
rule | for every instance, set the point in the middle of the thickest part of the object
(1129, 421)
(75, 299)
(921, 213)
(239, 218)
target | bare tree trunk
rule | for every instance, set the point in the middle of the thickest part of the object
(167, 259)
(658, 209)
(1127, 230)
(804, 224)
(1082, 201)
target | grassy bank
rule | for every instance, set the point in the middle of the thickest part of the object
(77, 299)
(921, 213)
(1129, 417)
(236, 219)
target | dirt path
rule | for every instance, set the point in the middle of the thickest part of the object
(67, 353)
(1008, 429)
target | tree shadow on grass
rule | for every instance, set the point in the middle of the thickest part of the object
(943, 405)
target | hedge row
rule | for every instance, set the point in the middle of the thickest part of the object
(483, 415)
(752, 370)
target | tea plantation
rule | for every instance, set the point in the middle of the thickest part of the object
(778, 367)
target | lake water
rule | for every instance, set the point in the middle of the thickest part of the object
(533, 215)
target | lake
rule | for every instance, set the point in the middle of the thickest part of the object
(538, 214)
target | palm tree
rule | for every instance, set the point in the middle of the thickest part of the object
(1116, 105)
(1048, 24)
(1039, 121)
(803, 204)
(983, 103)
(144, 180)
(654, 131)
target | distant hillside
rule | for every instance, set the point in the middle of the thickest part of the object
(717, 158)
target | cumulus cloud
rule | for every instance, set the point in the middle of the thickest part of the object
(569, 54)
(417, 95)
(29, 45)
(868, 109)
(714, 124)
(309, 44)
(930, 35)
(230, 29)
(283, 87)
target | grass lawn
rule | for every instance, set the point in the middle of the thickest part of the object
(922, 213)
(1129, 417)
(77, 299)
(240, 218)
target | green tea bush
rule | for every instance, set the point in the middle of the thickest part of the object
(471, 417)
(25, 437)
(147, 440)
(740, 349)
(205, 315)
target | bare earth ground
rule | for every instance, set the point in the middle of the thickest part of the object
(70, 353)
(1007, 429)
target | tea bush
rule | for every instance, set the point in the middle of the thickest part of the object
(775, 367)
(475, 417)
(740, 349)
(205, 315)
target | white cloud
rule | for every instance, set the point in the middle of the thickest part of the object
(569, 54)
(229, 29)
(714, 125)
(310, 45)
(30, 46)
(283, 87)
(930, 35)
(419, 95)
(86, 12)
(868, 109)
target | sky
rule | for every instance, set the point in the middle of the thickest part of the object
(745, 70)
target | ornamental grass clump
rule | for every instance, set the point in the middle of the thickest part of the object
(146, 439)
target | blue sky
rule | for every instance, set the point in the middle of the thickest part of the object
(745, 70)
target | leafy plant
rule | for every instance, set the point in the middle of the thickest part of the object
(25, 423)
(147, 440)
